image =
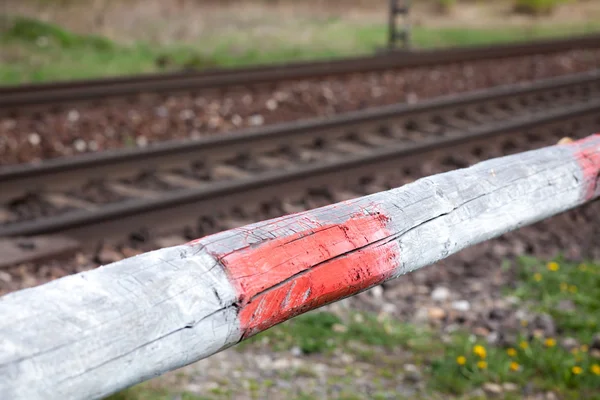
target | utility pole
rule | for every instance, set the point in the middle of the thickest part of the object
(398, 33)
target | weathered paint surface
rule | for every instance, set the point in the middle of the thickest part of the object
(88, 335)
(587, 154)
(287, 276)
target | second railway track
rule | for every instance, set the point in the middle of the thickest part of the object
(58, 129)
(169, 185)
(77, 91)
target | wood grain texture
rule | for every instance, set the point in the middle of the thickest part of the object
(91, 334)
(289, 275)
(588, 157)
(273, 262)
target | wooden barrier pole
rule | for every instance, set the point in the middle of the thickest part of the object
(88, 335)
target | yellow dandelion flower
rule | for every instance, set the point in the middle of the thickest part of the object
(480, 351)
(550, 342)
(514, 366)
(584, 348)
(511, 352)
(524, 345)
(481, 364)
(524, 323)
(573, 289)
(576, 370)
(461, 360)
(595, 369)
(537, 276)
(564, 287)
(553, 266)
(575, 351)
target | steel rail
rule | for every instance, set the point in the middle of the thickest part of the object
(131, 214)
(22, 178)
(62, 92)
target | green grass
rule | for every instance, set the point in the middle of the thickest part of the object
(38, 51)
(573, 373)
(538, 6)
(446, 5)
(142, 392)
(546, 288)
(30, 30)
(547, 368)
(323, 332)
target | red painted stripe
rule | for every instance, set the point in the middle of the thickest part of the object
(587, 152)
(287, 276)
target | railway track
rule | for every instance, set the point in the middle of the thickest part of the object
(58, 129)
(13, 98)
(170, 185)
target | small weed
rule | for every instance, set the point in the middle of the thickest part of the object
(138, 393)
(190, 396)
(268, 383)
(350, 396)
(386, 373)
(143, 392)
(537, 6)
(307, 372)
(220, 392)
(445, 6)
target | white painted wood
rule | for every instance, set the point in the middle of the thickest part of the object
(88, 335)
(91, 334)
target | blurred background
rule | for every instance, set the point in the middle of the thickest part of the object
(45, 40)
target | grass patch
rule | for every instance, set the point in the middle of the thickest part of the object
(39, 51)
(142, 392)
(572, 372)
(323, 332)
(35, 51)
(536, 7)
(445, 6)
(570, 293)
(537, 361)
(42, 33)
